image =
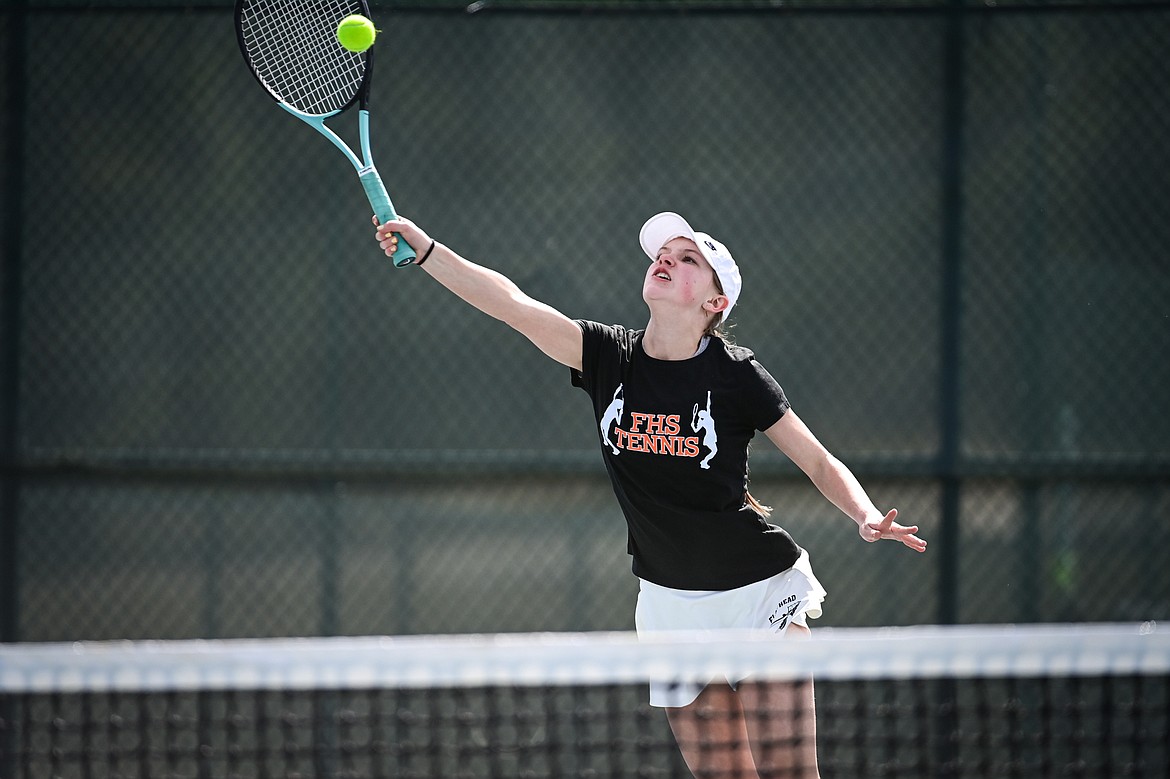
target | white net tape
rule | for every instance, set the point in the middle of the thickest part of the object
(587, 658)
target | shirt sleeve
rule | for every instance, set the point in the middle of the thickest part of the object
(594, 337)
(765, 402)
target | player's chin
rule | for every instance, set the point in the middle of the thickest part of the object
(651, 292)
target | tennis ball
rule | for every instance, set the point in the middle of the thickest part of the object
(356, 33)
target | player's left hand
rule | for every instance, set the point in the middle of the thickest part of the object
(888, 528)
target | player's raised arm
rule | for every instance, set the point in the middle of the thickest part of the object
(490, 291)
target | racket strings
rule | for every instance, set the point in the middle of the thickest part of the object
(292, 46)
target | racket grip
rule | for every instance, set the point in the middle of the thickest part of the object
(380, 201)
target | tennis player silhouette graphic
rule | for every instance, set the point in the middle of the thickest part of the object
(703, 422)
(612, 415)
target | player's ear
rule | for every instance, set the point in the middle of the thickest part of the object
(716, 304)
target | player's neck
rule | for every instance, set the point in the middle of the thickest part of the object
(675, 341)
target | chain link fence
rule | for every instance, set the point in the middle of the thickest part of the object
(224, 414)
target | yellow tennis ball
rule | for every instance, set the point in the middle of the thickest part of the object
(356, 33)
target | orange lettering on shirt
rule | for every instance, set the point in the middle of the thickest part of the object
(671, 426)
(660, 423)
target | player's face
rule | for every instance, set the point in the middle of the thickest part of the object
(680, 275)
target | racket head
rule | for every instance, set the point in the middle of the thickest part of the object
(291, 48)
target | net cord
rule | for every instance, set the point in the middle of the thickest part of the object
(583, 658)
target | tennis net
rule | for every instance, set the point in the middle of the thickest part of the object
(992, 701)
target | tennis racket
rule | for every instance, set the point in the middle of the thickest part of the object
(291, 48)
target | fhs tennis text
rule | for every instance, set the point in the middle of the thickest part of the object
(656, 434)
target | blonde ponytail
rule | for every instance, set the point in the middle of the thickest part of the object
(749, 500)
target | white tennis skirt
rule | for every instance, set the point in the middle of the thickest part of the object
(790, 597)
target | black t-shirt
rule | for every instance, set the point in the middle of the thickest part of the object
(674, 435)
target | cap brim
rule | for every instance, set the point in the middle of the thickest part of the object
(661, 228)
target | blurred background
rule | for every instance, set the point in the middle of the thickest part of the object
(224, 414)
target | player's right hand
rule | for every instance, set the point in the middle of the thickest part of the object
(387, 235)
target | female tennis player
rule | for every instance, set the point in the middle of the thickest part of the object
(676, 405)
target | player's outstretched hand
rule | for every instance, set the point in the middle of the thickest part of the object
(888, 528)
(388, 241)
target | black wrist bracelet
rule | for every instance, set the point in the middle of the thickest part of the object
(430, 249)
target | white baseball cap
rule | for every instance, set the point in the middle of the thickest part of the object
(661, 228)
